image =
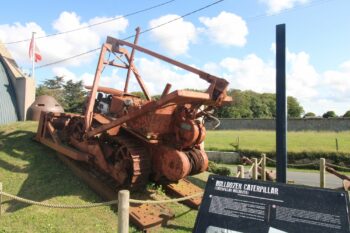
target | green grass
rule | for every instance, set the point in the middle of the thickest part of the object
(265, 141)
(31, 170)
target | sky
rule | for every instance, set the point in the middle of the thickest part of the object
(232, 39)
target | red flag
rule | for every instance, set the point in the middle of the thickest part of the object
(32, 46)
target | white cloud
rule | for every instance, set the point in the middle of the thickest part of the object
(65, 73)
(338, 81)
(65, 45)
(302, 77)
(276, 6)
(249, 73)
(316, 91)
(107, 79)
(158, 74)
(226, 29)
(175, 37)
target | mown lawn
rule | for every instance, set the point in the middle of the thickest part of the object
(30, 170)
(265, 141)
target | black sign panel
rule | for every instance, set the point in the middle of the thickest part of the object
(234, 205)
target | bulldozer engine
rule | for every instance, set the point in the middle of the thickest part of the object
(136, 139)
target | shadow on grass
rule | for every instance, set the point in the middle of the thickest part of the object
(47, 177)
(199, 182)
(177, 228)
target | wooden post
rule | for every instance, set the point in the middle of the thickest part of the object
(336, 144)
(263, 167)
(322, 173)
(0, 198)
(255, 168)
(240, 168)
(123, 211)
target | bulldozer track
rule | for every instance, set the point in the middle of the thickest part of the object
(144, 216)
(141, 164)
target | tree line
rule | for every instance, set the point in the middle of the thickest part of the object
(250, 104)
(246, 104)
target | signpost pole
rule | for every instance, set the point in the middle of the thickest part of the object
(281, 105)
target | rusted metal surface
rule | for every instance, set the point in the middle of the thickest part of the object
(185, 188)
(339, 175)
(144, 216)
(133, 139)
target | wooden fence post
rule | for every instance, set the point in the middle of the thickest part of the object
(240, 169)
(263, 167)
(123, 211)
(322, 173)
(255, 168)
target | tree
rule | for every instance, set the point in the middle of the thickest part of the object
(74, 96)
(347, 114)
(249, 104)
(52, 87)
(71, 95)
(294, 108)
(329, 114)
(56, 83)
(309, 114)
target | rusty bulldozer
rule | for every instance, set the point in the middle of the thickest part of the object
(133, 139)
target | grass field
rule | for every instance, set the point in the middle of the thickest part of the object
(265, 141)
(30, 170)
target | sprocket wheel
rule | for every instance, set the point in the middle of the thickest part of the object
(131, 162)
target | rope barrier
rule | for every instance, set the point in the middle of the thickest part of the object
(166, 201)
(91, 205)
(304, 164)
(63, 206)
(272, 160)
(337, 166)
(294, 165)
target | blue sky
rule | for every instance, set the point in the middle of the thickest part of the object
(233, 39)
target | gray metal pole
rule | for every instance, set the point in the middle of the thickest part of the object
(281, 104)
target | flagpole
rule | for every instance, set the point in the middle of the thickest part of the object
(33, 56)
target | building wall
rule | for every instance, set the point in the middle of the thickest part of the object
(315, 124)
(8, 100)
(23, 87)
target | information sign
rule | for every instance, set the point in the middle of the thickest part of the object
(234, 205)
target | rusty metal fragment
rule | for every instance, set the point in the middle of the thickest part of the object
(185, 188)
